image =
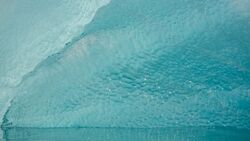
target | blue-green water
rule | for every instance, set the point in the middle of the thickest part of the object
(126, 134)
(161, 65)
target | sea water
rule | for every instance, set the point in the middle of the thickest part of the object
(127, 134)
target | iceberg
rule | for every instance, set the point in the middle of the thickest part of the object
(133, 63)
(30, 31)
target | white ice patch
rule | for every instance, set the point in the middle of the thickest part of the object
(30, 31)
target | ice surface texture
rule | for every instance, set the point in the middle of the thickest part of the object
(138, 63)
(31, 30)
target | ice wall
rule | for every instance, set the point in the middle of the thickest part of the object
(32, 30)
(142, 63)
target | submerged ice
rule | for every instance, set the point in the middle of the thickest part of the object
(137, 63)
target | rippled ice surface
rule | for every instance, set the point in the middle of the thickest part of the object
(132, 63)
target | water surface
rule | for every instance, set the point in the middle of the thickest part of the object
(126, 134)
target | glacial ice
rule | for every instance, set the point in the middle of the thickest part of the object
(30, 31)
(137, 63)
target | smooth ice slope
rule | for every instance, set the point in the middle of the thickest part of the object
(144, 63)
(32, 30)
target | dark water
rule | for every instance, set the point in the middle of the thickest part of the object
(126, 134)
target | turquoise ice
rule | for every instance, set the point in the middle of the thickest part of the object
(125, 63)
